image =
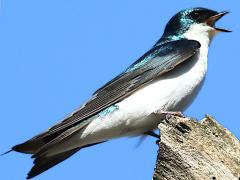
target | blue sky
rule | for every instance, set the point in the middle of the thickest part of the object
(54, 54)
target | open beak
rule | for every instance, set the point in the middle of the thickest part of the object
(213, 19)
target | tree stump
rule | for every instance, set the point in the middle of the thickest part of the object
(192, 150)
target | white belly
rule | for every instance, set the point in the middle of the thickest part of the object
(134, 115)
(172, 92)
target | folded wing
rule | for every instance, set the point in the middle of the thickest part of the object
(157, 61)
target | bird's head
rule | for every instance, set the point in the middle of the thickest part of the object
(194, 21)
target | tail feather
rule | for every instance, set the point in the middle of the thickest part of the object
(6, 152)
(41, 146)
(29, 147)
(36, 143)
(44, 163)
(46, 139)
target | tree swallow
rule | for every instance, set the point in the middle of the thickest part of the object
(165, 80)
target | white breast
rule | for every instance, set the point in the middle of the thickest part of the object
(172, 92)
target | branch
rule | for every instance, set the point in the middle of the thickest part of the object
(192, 150)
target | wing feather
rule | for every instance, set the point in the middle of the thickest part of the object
(166, 57)
(159, 60)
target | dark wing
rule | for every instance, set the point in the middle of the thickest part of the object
(159, 60)
(151, 65)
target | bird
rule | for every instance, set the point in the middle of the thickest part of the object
(163, 81)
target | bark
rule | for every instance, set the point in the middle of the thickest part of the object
(192, 150)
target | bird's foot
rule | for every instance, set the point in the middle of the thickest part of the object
(153, 134)
(177, 113)
(169, 114)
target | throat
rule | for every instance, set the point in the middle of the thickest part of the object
(201, 33)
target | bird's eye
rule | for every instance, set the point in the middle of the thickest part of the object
(195, 15)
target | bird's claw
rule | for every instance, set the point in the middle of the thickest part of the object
(169, 115)
(153, 134)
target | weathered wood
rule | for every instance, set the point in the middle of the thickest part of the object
(192, 150)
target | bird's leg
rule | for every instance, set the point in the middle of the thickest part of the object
(172, 113)
(153, 134)
(168, 114)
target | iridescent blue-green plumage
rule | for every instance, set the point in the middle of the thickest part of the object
(181, 22)
(108, 110)
(175, 29)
